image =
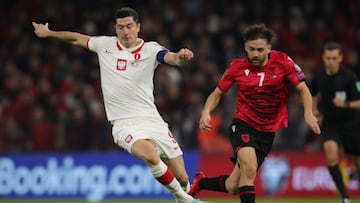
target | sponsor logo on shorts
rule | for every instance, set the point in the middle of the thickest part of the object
(128, 138)
(245, 138)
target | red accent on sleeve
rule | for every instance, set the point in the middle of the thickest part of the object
(87, 43)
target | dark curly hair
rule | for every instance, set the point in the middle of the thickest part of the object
(126, 12)
(332, 46)
(258, 31)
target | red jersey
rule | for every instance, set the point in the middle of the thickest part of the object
(263, 92)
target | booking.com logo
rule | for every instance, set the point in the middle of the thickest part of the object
(67, 179)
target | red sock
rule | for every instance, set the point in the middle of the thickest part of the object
(166, 178)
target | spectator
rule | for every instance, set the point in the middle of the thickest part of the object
(23, 57)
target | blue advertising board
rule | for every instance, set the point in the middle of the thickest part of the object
(93, 176)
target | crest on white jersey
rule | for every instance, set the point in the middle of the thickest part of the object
(121, 64)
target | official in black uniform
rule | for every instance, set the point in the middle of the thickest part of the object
(340, 125)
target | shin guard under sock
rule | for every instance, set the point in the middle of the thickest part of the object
(214, 184)
(338, 179)
(247, 194)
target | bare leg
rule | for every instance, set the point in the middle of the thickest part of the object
(248, 168)
(177, 166)
(331, 150)
(145, 150)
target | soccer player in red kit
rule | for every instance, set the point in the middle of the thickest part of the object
(263, 81)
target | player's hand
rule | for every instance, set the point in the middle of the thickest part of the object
(41, 30)
(185, 55)
(313, 123)
(204, 123)
(339, 102)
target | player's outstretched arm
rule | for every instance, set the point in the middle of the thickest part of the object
(344, 104)
(42, 30)
(306, 97)
(179, 58)
(211, 103)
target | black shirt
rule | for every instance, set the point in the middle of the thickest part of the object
(327, 86)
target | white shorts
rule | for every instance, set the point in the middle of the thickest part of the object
(127, 132)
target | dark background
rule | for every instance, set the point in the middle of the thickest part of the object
(50, 96)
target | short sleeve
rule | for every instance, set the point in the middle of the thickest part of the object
(313, 85)
(295, 73)
(354, 88)
(227, 79)
(92, 43)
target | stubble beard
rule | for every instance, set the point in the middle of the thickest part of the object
(257, 61)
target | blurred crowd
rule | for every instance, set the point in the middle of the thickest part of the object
(50, 96)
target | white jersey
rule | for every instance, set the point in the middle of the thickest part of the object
(127, 77)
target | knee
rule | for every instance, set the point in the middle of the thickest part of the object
(249, 172)
(150, 159)
(145, 151)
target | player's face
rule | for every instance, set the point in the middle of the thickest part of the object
(127, 31)
(332, 59)
(257, 51)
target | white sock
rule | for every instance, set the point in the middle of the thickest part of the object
(163, 174)
(187, 187)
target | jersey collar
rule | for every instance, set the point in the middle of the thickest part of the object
(132, 49)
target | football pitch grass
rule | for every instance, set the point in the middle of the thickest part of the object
(262, 200)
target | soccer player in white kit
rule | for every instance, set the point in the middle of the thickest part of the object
(127, 66)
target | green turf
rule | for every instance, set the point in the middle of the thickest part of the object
(265, 200)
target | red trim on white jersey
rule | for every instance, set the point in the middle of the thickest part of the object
(133, 52)
(138, 49)
(118, 46)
